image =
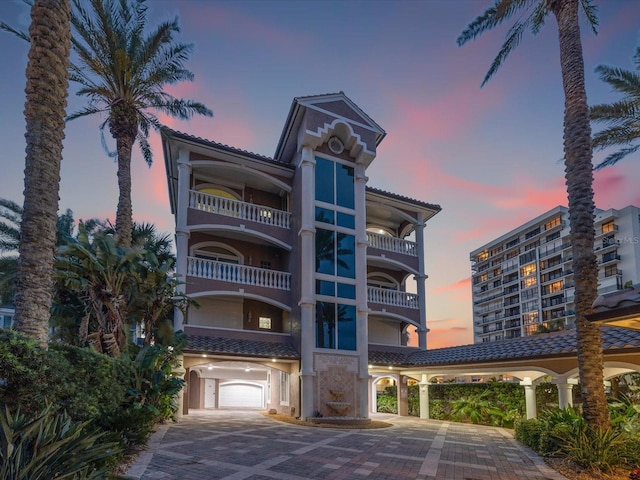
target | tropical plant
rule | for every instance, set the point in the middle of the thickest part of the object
(123, 71)
(595, 449)
(11, 213)
(46, 90)
(620, 117)
(51, 446)
(531, 15)
(151, 394)
(479, 409)
(103, 288)
(98, 273)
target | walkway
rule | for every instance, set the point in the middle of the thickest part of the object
(232, 445)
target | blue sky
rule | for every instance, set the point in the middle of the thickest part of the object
(489, 156)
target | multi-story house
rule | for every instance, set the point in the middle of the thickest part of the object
(299, 268)
(522, 282)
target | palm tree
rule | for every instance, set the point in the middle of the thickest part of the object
(46, 91)
(123, 71)
(11, 212)
(531, 14)
(621, 117)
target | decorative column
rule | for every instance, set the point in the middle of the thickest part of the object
(529, 397)
(179, 371)
(424, 397)
(182, 232)
(420, 283)
(565, 391)
(362, 308)
(403, 396)
(307, 268)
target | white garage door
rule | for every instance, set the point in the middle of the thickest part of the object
(240, 395)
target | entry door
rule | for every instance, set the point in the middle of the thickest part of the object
(209, 393)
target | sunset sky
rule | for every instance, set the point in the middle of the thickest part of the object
(491, 156)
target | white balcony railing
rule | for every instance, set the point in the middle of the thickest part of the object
(392, 297)
(243, 210)
(234, 273)
(392, 244)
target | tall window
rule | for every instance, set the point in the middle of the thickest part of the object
(335, 255)
(284, 388)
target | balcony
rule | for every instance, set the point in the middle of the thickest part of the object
(392, 244)
(609, 258)
(394, 298)
(238, 209)
(239, 274)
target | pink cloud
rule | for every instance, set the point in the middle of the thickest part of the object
(448, 332)
(457, 291)
(446, 116)
(215, 18)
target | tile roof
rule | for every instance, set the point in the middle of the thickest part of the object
(221, 146)
(402, 198)
(231, 346)
(536, 346)
(625, 297)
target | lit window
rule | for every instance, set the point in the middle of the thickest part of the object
(284, 388)
(264, 322)
(608, 227)
(528, 270)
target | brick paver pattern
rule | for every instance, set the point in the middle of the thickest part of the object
(245, 445)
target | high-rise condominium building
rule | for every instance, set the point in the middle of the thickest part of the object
(522, 282)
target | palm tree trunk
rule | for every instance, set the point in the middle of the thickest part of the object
(46, 100)
(124, 213)
(579, 180)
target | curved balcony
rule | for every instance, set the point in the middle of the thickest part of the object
(240, 210)
(392, 244)
(394, 298)
(239, 274)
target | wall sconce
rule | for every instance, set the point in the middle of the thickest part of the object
(249, 317)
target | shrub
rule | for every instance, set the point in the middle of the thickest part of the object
(150, 394)
(528, 432)
(81, 381)
(593, 449)
(51, 446)
(387, 404)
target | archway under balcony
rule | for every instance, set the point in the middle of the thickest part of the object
(215, 382)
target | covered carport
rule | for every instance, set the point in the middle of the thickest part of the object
(527, 360)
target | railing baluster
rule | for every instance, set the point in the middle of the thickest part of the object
(235, 208)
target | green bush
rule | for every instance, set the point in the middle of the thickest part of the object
(593, 449)
(150, 394)
(51, 446)
(387, 403)
(81, 381)
(436, 410)
(528, 432)
(488, 403)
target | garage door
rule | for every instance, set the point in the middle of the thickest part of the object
(240, 395)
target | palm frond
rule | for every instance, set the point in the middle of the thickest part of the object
(492, 17)
(616, 157)
(616, 113)
(616, 135)
(590, 11)
(512, 41)
(624, 81)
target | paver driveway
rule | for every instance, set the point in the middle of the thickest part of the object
(239, 445)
